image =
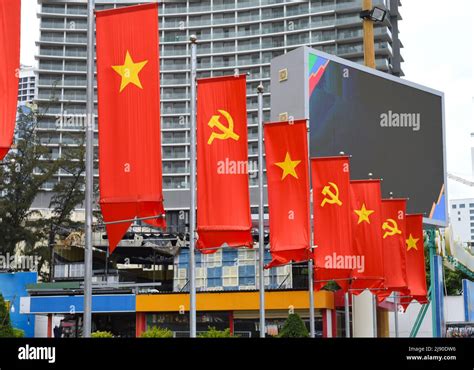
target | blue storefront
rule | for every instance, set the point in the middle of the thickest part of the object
(13, 287)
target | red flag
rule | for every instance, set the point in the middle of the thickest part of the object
(366, 201)
(10, 11)
(286, 150)
(393, 242)
(416, 271)
(332, 220)
(223, 203)
(129, 117)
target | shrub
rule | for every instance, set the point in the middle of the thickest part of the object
(102, 334)
(214, 333)
(156, 332)
(294, 327)
(6, 330)
(18, 333)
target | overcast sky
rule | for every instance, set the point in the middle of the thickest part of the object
(438, 52)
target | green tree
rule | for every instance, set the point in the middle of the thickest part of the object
(294, 327)
(6, 330)
(67, 195)
(27, 168)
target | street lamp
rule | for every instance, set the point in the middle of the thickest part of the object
(375, 15)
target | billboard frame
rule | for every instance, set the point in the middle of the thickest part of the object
(429, 222)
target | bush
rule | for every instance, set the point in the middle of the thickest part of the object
(214, 333)
(18, 333)
(294, 327)
(102, 334)
(156, 332)
(6, 330)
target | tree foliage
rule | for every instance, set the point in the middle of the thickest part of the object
(294, 327)
(6, 330)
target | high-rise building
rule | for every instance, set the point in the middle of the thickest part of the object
(461, 217)
(243, 35)
(26, 85)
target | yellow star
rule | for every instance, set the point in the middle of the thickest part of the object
(411, 243)
(288, 166)
(363, 214)
(129, 72)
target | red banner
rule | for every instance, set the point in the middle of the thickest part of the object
(129, 117)
(416, 270)
(10, 14)
(366, 201)
(394, 252)
(223, 202)
(286, 151)
(333, 254)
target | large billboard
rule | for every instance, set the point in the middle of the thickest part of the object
(391, 127)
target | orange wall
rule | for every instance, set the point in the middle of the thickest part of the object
(232, 301)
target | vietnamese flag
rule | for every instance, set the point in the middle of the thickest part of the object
(286, 152)
(366, 215)
(333, 254)
(10, 14)
(393, 242)
(416, 271)
(128, 79)
(223, 200)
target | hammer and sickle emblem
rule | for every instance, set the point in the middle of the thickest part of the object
(225, 132)
(390, 227)
(331, 194)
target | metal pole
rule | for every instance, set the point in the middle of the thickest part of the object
(347, 315)
(192, 211)
(261, 232)
(395, 298)
(312, 329)
(433, 283)
(374, 312)
(87, 324)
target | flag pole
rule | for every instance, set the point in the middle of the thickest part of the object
(312, 330)
(88, 256)
(374, 311)
(192, 211)
(261, 233)
(395, 298)
(347, 315)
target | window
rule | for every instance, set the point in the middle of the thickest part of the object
(454, 206)
(246, 275)
(229, 257)
(462, 206)
(214, 277)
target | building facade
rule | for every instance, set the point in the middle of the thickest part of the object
(233, 35)
(26, 85)
(461, 217)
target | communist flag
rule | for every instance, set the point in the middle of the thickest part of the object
(286, 152)
(333, 253)
(416, 272)
(129, 117)
(223, 202)
(393, 243)
(366, 215)
(10, 11)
